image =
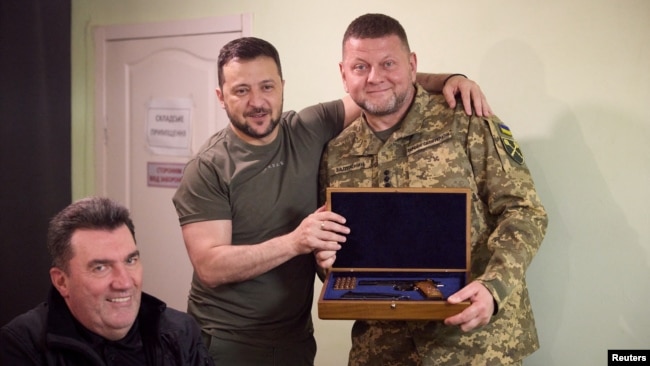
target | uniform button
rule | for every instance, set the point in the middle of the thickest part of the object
(386, 178)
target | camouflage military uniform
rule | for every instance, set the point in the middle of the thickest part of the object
(439, 147)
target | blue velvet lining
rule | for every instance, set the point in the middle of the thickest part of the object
(403, 229)
(451, 281)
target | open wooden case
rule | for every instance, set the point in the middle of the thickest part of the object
(408, 250)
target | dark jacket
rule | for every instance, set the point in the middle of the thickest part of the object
(47, 335)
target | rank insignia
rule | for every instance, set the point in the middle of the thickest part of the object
(513, 150)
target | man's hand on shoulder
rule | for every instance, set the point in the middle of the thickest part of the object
(470, 93)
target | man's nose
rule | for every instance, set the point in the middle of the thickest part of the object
(256, 99)
(375, 75)
(122, 278)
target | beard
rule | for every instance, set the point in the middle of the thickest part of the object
(245, 128)
(394, 103)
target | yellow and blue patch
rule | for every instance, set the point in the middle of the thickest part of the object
(510, 145)
(505, 130)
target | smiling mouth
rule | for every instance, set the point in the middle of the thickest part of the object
(120, 299)
(258, 113)
(379, 90)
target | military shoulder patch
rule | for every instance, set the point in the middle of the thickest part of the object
(510, 145)
(505, 130)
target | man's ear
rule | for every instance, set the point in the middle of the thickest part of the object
(345, 84)
(220, 97)
(59, 280)
(413, 61)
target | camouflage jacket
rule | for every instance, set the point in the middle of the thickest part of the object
(436, 146)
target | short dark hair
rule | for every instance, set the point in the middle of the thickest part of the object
(246, 48)
(88, 213)
(375, 26)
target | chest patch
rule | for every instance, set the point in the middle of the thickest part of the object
(361, 164)
(426, 143)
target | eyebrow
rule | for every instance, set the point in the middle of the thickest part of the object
(265, 81)
(94, 262)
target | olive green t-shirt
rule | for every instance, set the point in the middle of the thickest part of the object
(266, 191)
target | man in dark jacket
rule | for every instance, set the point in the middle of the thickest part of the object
(96, 312)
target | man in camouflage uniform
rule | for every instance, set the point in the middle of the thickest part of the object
(408, 138)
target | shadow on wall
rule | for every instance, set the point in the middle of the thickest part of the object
(589, 281)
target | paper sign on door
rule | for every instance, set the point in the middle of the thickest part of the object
(168, 126)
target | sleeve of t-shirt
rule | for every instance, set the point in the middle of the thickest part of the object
(201, 196)
(325, 120)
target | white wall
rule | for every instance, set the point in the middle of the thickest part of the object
(571, 78)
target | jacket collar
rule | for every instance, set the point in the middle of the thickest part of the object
(60, 321)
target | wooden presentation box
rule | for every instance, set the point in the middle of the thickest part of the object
(399, 237)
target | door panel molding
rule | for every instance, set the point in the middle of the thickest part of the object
(172, 62)
(106, 34)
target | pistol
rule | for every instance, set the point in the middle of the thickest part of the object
(427, 287)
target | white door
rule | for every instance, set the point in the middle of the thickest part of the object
(141, 71)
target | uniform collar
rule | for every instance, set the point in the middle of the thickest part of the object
(367, 143)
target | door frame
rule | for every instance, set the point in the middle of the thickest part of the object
(105, 34)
